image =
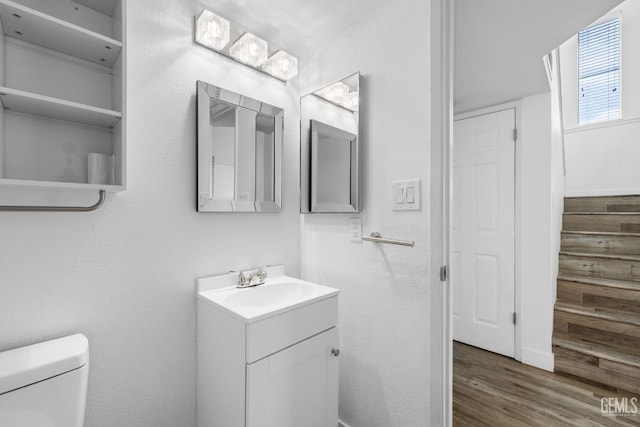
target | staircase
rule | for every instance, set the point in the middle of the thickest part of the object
(597, 313)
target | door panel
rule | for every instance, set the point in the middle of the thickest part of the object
(486, 284)
(295, 387)
(483, 229)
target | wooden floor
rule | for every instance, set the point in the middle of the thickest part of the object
(492, 390)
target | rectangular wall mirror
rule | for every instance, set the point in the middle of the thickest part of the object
(329, 148)
(239, 152)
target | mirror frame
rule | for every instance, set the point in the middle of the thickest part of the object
(307, 204)
(205, 202)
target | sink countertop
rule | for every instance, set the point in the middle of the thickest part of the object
(279, 294)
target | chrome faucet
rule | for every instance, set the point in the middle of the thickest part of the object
(247, 279)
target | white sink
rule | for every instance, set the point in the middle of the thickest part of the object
(270, 294)
(278, 294)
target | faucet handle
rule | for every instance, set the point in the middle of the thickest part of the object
(242, 278)
(251, 277)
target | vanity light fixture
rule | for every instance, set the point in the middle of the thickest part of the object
(281, 65)
(249, 49)
(214, 32)
(335, 92)
(352, 101)
(340, 94)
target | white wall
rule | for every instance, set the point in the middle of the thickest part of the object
(541, 161)
(557, 169)
(601, 159)
(384, 314)
(125, 275)
(535, 233)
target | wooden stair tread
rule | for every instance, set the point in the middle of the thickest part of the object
(604, 213)
(596, 281)
(625, 222)
(601, 233)
(602, 256)
(598, 350)
(611, 315)
(625, 243)
(613, 196)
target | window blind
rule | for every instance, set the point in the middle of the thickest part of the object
(599, 72)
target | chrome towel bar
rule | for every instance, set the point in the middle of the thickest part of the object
(376, 237)
(101, 198)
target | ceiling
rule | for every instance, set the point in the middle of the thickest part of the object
(499, 45)
(294, 25)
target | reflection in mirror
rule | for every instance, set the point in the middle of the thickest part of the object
(223, 132)
(329, 141)
(265, 158)
(239, 152)
(334, 155)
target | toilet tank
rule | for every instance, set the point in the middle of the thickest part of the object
(45, 384)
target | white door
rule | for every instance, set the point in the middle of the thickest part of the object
(297, 386)
(482, 235)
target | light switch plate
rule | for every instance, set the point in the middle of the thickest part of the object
(411, 195)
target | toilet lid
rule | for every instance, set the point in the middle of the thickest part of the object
(23, 366)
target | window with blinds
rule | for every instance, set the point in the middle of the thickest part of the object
(599, 72)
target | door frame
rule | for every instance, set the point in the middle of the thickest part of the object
(441, 21)
(517, 212)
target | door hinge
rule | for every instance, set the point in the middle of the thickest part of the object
(515, 134)
(443, 273)
(515, 318)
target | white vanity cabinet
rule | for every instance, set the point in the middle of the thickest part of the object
(62, 91)
(271, 366)
(297, 386)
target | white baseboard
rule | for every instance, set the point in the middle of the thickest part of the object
(537, 359)
(341, 424)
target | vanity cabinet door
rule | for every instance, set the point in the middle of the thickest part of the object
(297, 386)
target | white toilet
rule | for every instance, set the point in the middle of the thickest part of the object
(45, 384)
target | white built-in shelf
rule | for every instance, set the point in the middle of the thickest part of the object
(20, 93)
(47, 31)
(41, 105)
(56, 185)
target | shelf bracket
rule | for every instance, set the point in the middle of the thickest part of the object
(101, 198)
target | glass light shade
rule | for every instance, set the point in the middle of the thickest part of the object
(250, 50)
(352, 101)
(212, 30)
(281, 65)
(336, 93)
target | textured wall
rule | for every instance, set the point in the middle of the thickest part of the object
(125, 275)
(384, 315)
